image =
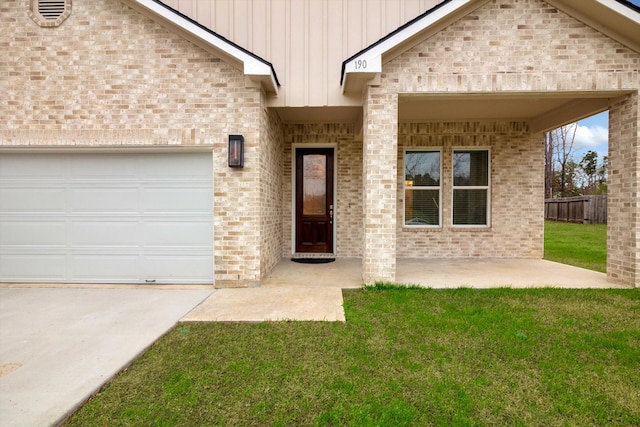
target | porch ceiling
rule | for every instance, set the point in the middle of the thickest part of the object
(334, 114)
(543, 111)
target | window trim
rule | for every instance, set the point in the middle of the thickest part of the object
(438, 150)
(471, 187)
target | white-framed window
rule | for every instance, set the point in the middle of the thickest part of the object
(471, 189)
(422, 188)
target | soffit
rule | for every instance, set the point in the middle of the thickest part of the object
(542, 111)
(288, 115)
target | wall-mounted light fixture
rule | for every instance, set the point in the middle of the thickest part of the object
(236, 151)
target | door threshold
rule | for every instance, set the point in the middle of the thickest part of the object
(303, 255)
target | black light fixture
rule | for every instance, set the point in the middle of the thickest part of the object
(236, 151)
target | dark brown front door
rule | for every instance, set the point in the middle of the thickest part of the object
(314, 200)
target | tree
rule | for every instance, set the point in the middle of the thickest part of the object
(548, 165)
(566, 177)
(559, 152)
(603, 175)
(564, 138)
(589, 166)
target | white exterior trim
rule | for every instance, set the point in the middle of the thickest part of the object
(621, 9)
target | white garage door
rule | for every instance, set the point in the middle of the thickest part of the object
(106, 218)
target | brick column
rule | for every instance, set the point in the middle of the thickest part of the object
(380, 158)
(623, 229)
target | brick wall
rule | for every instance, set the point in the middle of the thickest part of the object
(516, 186)
(108, 76)
(271, 190)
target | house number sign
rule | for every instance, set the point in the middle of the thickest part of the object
(360, 64)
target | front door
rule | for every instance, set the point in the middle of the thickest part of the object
(314, 200)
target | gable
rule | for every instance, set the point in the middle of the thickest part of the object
(521, 37)
(515, 60)
(499, 29)
(109, 67)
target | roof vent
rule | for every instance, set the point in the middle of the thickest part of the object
(51, 10)
(49, 13)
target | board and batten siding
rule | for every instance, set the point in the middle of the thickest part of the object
(305, 40)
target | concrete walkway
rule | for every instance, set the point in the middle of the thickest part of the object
(270, 304)
(59, 346)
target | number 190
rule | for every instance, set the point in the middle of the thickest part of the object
(360, 64)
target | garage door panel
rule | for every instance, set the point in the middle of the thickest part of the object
(106, 218)
(177, 200)
(159, 165)
(102, 200)
(164, 268)
(104, 233)
(20, 267)
(106, 268)
(194, 233)
(104, 167)
(30, 167)
(16, 232)
(22, 199)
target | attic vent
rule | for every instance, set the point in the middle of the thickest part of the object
(51, 10)
(49, 13)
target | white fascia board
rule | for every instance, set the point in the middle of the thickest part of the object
(621, 9)
(252, 67)
(373, 56)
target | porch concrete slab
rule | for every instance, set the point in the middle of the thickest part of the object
(497, 272)
(443, 273)
(59, 346)
(270, 304)
(343, 273)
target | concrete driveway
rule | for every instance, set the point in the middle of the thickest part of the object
(59, 346)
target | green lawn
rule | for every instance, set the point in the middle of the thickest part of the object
(419, 357)
(582, 245)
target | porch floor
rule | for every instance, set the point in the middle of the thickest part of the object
(443, 273)
(312, 292)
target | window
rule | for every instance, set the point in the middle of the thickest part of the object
(470, 187)
(422, 188)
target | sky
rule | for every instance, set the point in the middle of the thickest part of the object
(593, 132)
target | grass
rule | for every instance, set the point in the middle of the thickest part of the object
(405, 357)
(581, 245)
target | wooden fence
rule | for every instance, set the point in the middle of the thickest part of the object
(581, 209)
